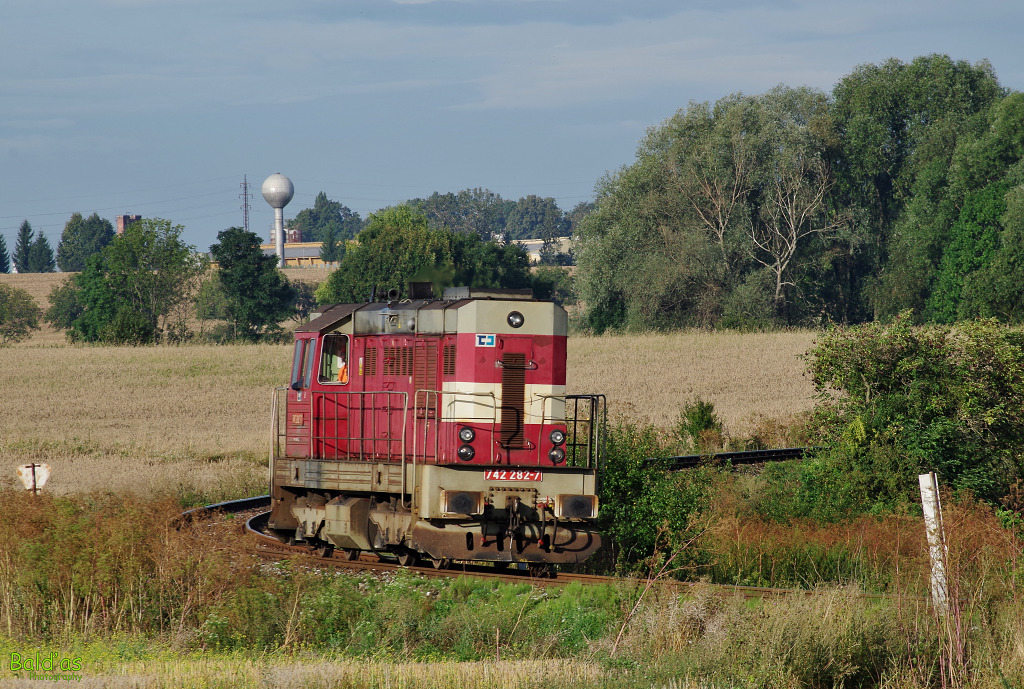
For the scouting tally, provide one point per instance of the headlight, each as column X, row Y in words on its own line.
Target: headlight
column 576, row 507
column 466, row 452
column 557, row 455
column 466, row 434
column 462, row 502
column 557, row 437
column 515, row 319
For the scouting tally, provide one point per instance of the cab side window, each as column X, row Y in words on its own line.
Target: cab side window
column 334, row 359
column 300, row 367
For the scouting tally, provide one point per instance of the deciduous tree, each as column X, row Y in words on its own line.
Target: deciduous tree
column 19, row 314
column 477, row 210
column 132, row 292
column 897, row 121
column 258, row 295
column 794, row 181
column 327, row 214
column 399, row 246
column 82, row 238
column 534, row 217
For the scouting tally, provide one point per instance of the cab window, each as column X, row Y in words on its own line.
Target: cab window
column 300, row 367
column 334, row 359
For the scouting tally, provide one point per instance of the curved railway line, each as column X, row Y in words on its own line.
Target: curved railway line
column 269, row 548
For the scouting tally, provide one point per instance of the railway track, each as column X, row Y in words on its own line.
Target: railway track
column 269, row 548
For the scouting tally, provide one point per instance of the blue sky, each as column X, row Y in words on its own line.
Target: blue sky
column 159, row 107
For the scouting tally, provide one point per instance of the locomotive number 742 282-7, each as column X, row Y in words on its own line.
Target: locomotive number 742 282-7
column 513, row 475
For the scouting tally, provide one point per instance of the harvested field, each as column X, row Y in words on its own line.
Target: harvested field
column 194, row 420
column 191, row 420
column 648, row 378
column 39, row 285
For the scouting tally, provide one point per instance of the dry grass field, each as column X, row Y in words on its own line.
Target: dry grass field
column 39, row 285
column 148, row 419
column 750, row 377
column 194, row 420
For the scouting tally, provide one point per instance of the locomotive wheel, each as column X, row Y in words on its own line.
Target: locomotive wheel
column 351, row 554
column 408, row 557
column 326, row 550
column 441, row 562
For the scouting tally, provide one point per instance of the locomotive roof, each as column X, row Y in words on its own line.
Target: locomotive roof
column 424, row 316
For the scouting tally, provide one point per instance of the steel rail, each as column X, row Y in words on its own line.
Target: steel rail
column 734, row 458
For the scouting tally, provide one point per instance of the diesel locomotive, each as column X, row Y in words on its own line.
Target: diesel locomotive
column 437, row 429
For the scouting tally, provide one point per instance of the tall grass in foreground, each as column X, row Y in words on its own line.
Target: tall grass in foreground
column 101, row 565
column 111, row 581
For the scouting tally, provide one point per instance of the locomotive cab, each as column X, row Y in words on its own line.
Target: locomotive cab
column 437, row 428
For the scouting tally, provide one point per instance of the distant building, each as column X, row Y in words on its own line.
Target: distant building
column 297, row 254
column 124, row 221
column 533, row 247
column 293, row 235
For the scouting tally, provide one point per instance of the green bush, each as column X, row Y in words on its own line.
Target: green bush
column 19, row 314
column 897, row 400
column 641, row 504
column 699, row 427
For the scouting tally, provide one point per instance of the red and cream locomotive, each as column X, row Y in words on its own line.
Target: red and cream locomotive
column 440, row 429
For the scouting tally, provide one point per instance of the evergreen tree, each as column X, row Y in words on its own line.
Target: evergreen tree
column 5, row 259
column 22, row 246
column 40, row 255
column 332, row 247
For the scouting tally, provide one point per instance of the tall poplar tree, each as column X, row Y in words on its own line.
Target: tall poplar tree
column 5, row 259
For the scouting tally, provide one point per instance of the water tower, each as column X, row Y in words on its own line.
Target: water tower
column 278, row 191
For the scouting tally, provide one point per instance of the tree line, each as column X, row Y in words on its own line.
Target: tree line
column 148, row 286
column 898, row 191
column 332, row 224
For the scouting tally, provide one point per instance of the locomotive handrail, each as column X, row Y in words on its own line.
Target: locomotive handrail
column 360, row 409
column 416, row 424
column 275, row 428
column 595, row 423
column 530, row 365
column 449, row 413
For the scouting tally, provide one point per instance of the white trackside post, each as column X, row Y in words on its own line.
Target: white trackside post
column 936, row 538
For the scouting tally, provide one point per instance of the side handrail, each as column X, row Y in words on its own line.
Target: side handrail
column 594, row 424
column 275, row 428
column 444, row 402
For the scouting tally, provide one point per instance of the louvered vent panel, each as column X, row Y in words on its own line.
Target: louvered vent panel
column 370, row 358
column 398, row 361
column 449, row 360
column 513, row 395
column 425, row 377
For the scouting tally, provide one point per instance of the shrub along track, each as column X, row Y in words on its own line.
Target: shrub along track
column 249, row 517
